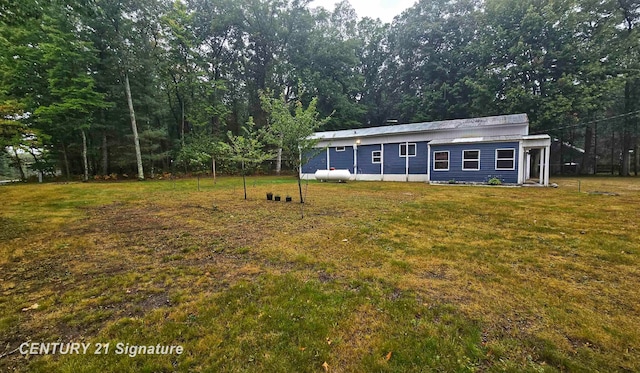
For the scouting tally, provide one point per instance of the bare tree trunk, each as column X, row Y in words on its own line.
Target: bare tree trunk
column 595, row 149
column 613, row 147
column 213, row 168
column 244, row 181
column 279, row 162
column 630, row 97
column 300, row 188
column 562, row 152
column 153, row 171
column 301, row 198
column 182, row 123
column 105, row 154
column 23, row 177
column 626, row 156
column 134, row 127
column 587, row 157
column 85, row 164
column 635, row 146
column 36, row 161
column 66, row 160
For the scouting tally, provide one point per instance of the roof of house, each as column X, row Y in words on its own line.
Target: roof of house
column 503, row 138
column 468, row 140
column 495, row 121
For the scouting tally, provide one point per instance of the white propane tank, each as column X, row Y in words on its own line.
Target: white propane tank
column 333, row 175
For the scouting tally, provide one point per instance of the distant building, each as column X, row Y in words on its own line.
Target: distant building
column 463, row 150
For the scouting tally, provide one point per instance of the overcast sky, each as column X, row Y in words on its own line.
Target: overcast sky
column 383, row 9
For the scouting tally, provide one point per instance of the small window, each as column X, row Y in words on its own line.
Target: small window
column 470, row 160
column 376, row 157
column 441, row 161
column 412, row 150
column 505, row 159
column 339, row 148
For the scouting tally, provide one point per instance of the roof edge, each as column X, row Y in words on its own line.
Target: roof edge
column 408, row 128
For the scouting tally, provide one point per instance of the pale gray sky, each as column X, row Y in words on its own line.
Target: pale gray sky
column 383, row 9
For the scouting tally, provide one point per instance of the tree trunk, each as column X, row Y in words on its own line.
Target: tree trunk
column 636, row 158
column 85, row 164
column 626, row 156
column 213, row 168
column 244, row 181
column 279, row 161
column 301, row 199
column 153, row 171
column 635, row 145
column 613, row 147
column 66, row 161
column 134, row 127
column 587, row 157
column 626, row 136
column 562, row 153
column 182, row 123
column 105, row 154
column 300, row 188
column 36, row 161
column 595, row 149
column 23, row 177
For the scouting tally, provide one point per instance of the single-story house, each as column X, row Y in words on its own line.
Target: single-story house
column 462, row 150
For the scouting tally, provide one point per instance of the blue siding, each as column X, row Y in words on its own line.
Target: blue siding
column 341, row 160
column 318, row 162
column 418, row 164
column 365, row 165
column 487, row 163
column 395, row 164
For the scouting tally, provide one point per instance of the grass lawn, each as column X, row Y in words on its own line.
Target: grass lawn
column 377, row 277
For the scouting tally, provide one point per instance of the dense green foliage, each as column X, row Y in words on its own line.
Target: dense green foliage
column 198, row 67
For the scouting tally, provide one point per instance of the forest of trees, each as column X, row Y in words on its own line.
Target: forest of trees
column 97, row 87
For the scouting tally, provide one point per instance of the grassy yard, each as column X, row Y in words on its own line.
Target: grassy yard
column 377, row 277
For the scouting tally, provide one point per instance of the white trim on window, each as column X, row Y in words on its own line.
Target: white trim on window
column 437, row 161
column 377, row 156
column 466, row 160
column 340, row 148
column 511, row 159
column 412, row 145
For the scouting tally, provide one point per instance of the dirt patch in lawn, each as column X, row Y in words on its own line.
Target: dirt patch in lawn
column 121, row 260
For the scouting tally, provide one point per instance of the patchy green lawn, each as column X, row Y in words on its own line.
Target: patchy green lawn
column 377, row 276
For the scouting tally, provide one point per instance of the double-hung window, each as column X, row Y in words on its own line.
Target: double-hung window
column 470, row 160
column 411, row 150
column 441, row 161
column 505, row 159
column 376, row 157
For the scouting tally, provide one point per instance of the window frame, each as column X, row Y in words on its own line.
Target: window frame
column 373, row 157
column 464, row 159
column 512, row 159
column 409, row 145
column 341, row 149
column 435, row 160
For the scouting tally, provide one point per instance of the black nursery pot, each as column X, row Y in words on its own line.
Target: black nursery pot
column 269, row 196
column 277, row 198
column 288, row 199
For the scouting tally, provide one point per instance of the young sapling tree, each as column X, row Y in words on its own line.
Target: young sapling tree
column 290, row 129
column 246, row 149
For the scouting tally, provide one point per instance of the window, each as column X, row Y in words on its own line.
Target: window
column 376, row 157
column 339, row 148
column 441, row 161
column 470, row 160
column 505, row 159
column 412, row 150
